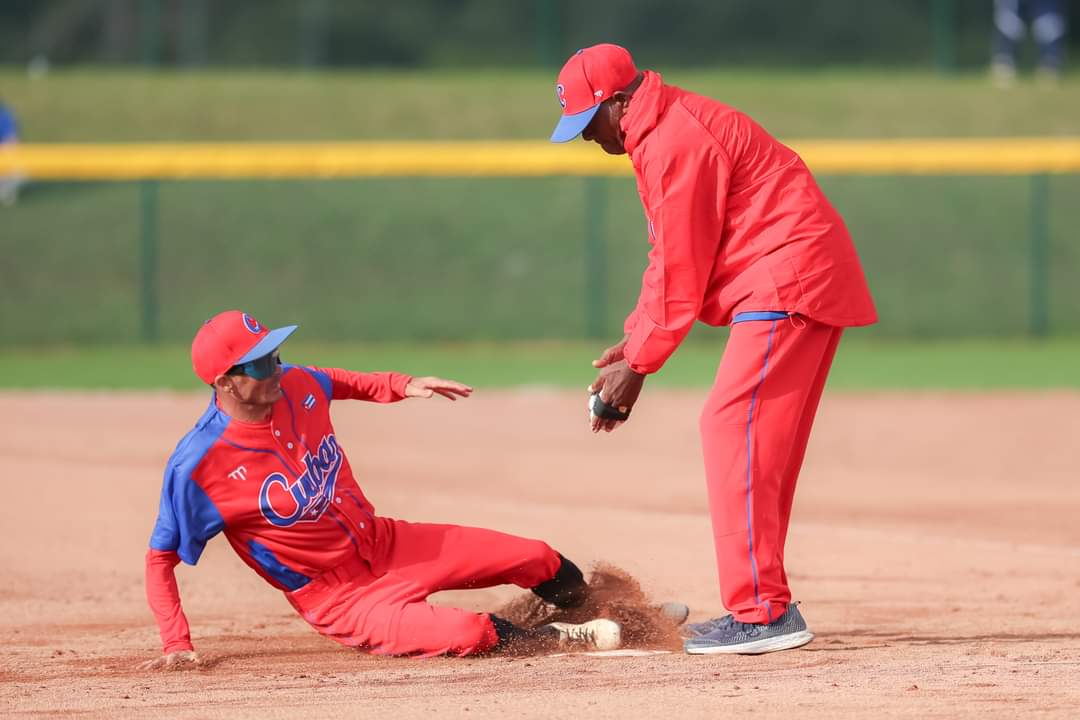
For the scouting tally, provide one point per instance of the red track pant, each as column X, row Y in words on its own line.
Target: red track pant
column 381, row 606
column 754, row 430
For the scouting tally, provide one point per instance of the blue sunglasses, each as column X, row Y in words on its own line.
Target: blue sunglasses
column 259, row 368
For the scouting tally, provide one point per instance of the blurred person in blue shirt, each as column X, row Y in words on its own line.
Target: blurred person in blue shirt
column 9, row 137
column 1047, row 20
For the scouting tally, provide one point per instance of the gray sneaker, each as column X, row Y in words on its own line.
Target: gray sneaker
column 692, row 630
column 786, row 632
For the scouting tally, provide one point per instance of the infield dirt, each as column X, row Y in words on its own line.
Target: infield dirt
column 935, row 545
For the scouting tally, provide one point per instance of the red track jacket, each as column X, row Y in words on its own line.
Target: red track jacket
column 736, row 223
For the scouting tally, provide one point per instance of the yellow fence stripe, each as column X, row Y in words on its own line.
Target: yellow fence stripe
column 1002, row 156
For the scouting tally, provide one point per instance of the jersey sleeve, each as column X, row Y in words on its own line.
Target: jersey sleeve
column 686, row 194
column 163, row 597
column 381, row 387
column 187, row 518
column 186, row 521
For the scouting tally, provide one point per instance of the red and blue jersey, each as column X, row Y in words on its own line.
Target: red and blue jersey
column 281, row 491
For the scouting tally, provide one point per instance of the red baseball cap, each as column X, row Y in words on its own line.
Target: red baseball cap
column 232, row 338
column 589, row 77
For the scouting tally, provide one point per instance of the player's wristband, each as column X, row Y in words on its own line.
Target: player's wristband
column 602, row 410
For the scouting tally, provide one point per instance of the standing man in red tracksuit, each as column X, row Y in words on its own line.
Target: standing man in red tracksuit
column 741, row 235
column 264, row 466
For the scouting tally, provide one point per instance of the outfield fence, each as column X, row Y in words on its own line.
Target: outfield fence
column 503, row 240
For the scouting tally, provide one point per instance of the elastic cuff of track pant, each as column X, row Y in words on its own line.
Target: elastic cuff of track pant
column 177, row 647
column 490, row 641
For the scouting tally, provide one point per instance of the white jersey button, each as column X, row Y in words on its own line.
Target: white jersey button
column 277, row 433
column 289, row 445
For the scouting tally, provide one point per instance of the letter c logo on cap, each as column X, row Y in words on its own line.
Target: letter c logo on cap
column 251, row 324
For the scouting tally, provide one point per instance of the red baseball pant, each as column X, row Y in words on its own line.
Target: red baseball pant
column 381, row 605
column 754, row 429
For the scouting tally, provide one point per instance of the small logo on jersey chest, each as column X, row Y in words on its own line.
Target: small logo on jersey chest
column 239, row 473
column 309, row 401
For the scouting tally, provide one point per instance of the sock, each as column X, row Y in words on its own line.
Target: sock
column 567, row 589
column 516, row 638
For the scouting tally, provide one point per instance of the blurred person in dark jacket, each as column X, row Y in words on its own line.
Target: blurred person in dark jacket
column 9, row 137
column 1047, row 22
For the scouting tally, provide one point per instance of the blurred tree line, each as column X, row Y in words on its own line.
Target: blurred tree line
column 428, row 33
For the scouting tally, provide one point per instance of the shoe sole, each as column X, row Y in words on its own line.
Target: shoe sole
column 757, row 647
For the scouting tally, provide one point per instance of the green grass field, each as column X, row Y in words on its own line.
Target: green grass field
column 95, row 105
column 495, row 259
column 861, row 365
column 433, row 261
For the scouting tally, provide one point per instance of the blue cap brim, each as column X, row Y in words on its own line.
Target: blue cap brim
column 570, row 126
column 268, row 344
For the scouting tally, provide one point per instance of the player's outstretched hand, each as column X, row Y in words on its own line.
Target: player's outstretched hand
column 425, row 387
column 178, row 660
column 619, row 387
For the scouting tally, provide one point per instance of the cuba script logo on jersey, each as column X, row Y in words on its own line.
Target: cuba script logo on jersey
column 306, row 498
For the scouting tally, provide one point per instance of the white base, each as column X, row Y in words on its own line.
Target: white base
column 624, row 652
